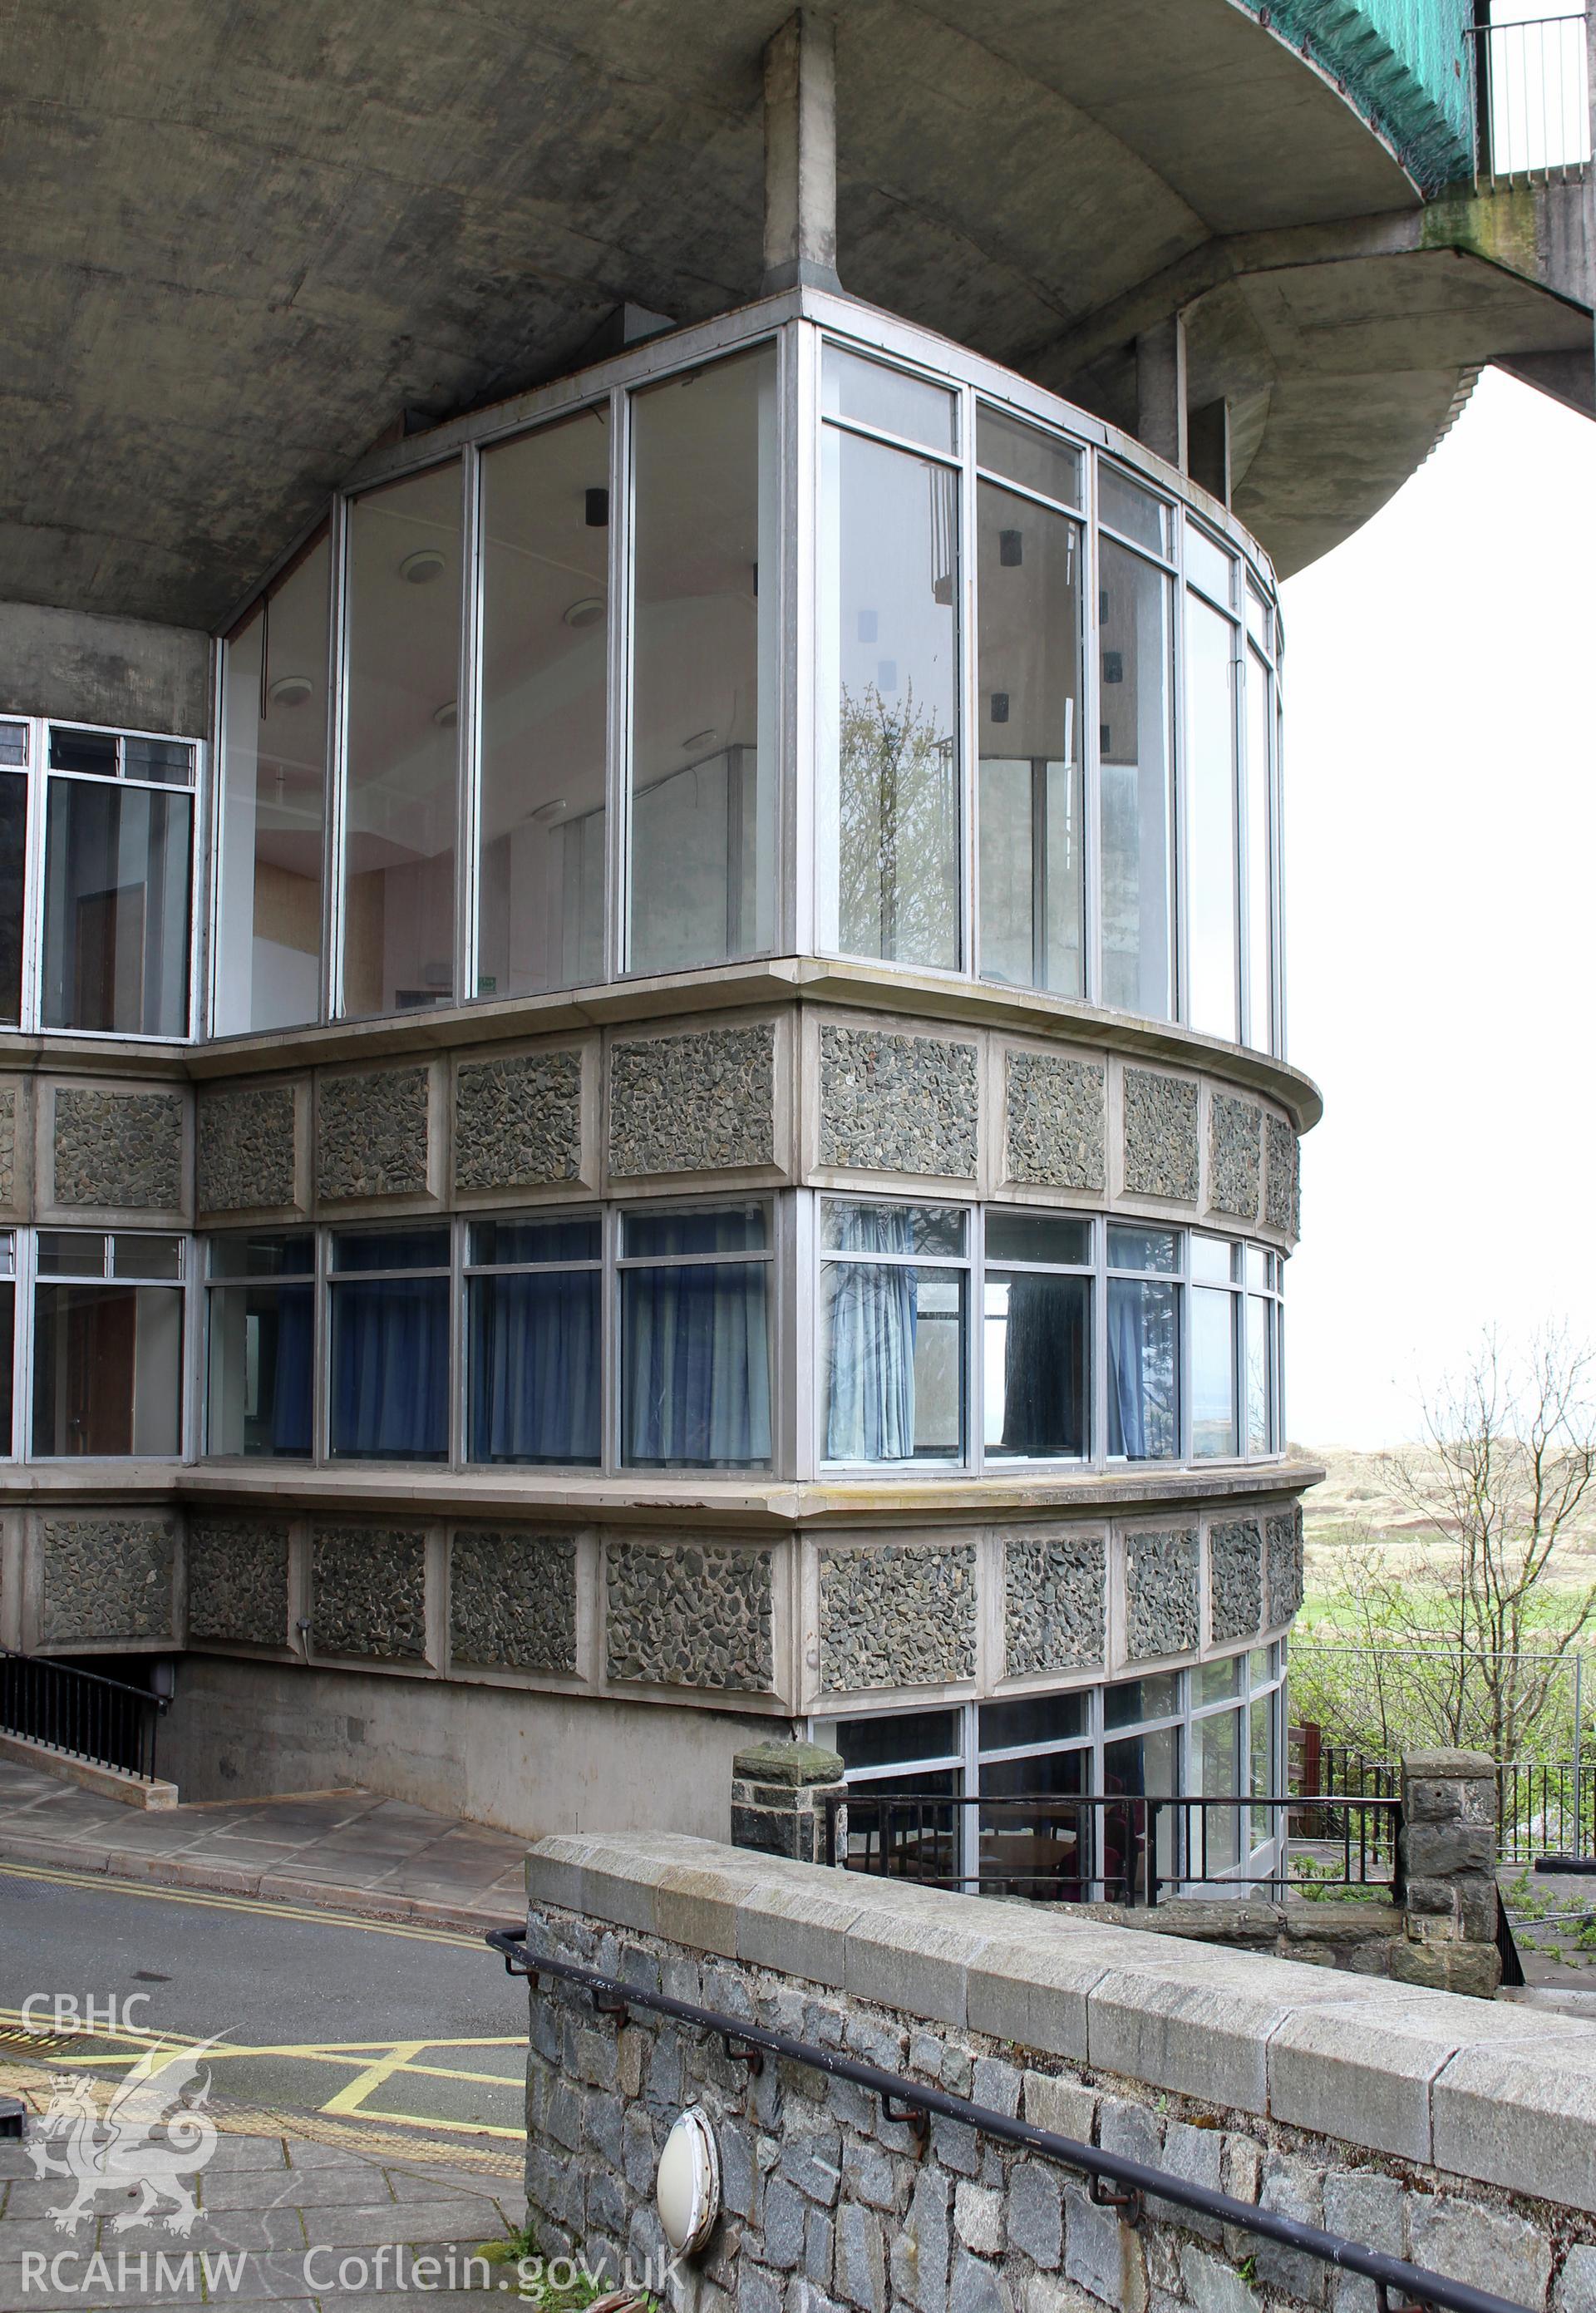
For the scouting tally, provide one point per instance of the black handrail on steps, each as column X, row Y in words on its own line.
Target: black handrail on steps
column 913, row 2100
column 80, row 1713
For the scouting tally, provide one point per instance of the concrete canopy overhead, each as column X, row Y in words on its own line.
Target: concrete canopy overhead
column 242, row 240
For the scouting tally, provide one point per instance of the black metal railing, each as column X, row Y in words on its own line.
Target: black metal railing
column 1116, row 2181
column 1531, row 98
column 1096, row 1847
column 80, row 1713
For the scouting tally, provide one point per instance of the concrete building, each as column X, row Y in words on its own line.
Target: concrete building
column 646, row 1092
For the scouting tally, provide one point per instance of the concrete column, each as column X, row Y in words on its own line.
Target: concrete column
column 779, row 1792
column 1446, row 1873
column 1208, row 449
column 1160, row 389
column 801, row 155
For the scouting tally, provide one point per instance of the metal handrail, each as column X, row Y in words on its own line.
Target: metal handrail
column 79, row 1714
column 1137, row 2181
column 1532, row 97
column 1138, row 1815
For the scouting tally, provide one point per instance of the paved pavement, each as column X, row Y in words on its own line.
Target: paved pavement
column 349, row 1849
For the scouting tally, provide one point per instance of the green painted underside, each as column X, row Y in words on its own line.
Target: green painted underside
column 1405, row 64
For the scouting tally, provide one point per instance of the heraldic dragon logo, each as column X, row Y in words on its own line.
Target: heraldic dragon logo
column 140, row 2143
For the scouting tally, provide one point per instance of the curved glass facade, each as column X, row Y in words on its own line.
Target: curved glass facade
column 759, row 641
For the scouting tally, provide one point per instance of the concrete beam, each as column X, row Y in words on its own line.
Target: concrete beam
column 801, row 155
column 1568, row 377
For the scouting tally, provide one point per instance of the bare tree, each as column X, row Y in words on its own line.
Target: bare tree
column 1506, row 1461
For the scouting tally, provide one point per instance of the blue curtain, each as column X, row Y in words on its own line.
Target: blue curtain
column 391, row 1367
column 535, row 1371
column 870, row 1381
column 293, row 1372
column 696, row 1360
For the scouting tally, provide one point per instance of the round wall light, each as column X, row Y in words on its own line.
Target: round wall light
column 291, row 690
column 586, row 611
column 447, row 716
column 688, row 2188
column 420, row 568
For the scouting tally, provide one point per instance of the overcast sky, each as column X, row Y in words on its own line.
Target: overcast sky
column 1441, row 911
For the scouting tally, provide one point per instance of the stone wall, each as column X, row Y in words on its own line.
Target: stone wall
column 1162, row 1157
column 1282, row 1192
column 513, row 1599
column 518, row 1121
column 695, row 1613
column 702, row 1103
column 368, row 1592
column 106, row 1577
column 1235, row 1156
column 372, row 1134
column 1054, row 1604
column 119, row 1149
column 896, row 1615
column 8, row 1145
column 1235, row 1580
column 244, row 1149
column 896, row 1103
column 1055, row 1134
column 1284, row 1531
column 238, row 1580
column 1408, row 2120
column 1161, row 1593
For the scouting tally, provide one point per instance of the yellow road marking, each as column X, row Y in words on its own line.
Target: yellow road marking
column 260, row 1908
column 354, row 2093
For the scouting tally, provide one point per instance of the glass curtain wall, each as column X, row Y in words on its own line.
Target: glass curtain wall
column 1031, row 845
column 270, row 832
column 1258, row 1028
column 704, row 694
column 1211, row 825
column 544, row 680
column 118, row 884
column 401, row 778
column 888, row 703
column 1135, row 695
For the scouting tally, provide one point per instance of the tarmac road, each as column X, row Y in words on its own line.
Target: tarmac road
column 312, row 2012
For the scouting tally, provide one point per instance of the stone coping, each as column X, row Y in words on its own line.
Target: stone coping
column 1503, row 2095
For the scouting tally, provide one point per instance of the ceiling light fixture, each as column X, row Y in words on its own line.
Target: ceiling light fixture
column 555, row 808
column 291, row 690
column 586, row 610
column 697, row 739
column 420, row 568
column 447, row 716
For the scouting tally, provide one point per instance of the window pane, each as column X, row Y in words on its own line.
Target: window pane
column 1038, row 1364
column 71, row 1253
column 705, row 700
column 108, row 1364
column 731, row 1228
column 403, row 681
column 1144, row 1331
column 907, row 1836
column 1213, row 1259
column 1211, row 810
column 1026, row 454
column 84, row 750
column 168, row 762
column 1258, row 1266
column 880, row 1741
column 1213, row 1371
column 1144, row 1767
column 695, row 1365
column 146, row 1256
column 262, row 1256
column 399, row 1248
column 7, row 1256
column 534, row 1373
column 274, row 780
column 1131, row 511
column 1217, row 1680
column 849, row 1228
column 1258, row 617
column 1030, row 1719
column 545, row 639
column 1133, row 1248
column 13, row 743
column 1259, row 1007
column 14, row 853
column 888, row 398
column 1035, row 1849
column 1262, row 1766
column 1134, row 724
column 117, row 908
column 8, row 1296
column 1133, row 1700
column 888, row 803
column 261, row 1361
column 1037, row 1236
column 389, row 1368
column 1259, row 1428
column 1032, row 846
column 531, row 1240
column 894, row 1362
column 1216, row 1774
column 1208, row 566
